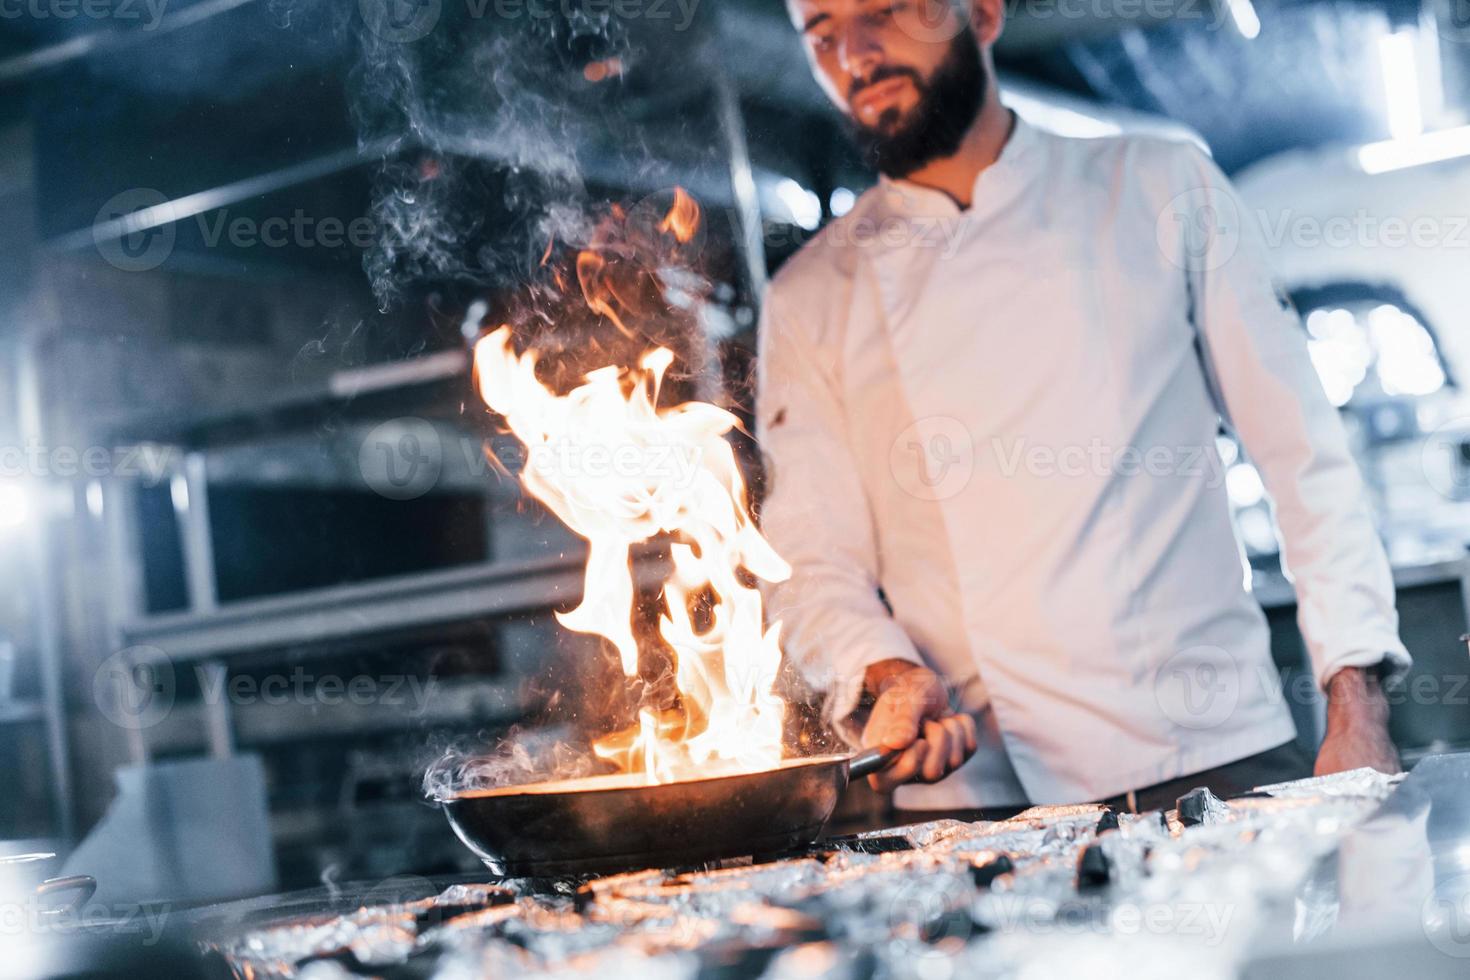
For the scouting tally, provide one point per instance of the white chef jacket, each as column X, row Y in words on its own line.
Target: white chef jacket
column 1004, row 418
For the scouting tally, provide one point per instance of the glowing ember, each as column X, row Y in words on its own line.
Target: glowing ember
column 618, row 470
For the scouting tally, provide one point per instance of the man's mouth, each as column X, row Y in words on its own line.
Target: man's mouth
column 877, row 97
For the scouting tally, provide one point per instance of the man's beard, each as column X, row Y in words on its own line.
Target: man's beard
column 933, row 129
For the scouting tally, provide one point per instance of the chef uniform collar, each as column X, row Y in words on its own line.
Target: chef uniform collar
column 993, row 185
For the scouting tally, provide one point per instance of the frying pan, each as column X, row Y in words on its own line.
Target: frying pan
column 605, row 824
column 13, row 878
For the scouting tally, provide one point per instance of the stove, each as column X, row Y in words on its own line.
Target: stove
column 1196, row 890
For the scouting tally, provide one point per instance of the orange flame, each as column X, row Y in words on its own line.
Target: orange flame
column 597, row 288
column 683, row 218
column 618, row 470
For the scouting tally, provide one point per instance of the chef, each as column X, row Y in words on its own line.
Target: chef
column 989, row 402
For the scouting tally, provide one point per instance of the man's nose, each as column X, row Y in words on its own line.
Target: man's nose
column 859, row 52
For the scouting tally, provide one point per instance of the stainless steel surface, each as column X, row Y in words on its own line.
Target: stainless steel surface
column 1394, row 896
column 1409, row 864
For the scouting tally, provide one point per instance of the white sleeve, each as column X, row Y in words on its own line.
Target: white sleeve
column 834, row 624
column 1254, row 347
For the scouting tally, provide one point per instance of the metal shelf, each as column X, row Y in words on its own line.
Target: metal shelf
column 445, row 705
column 325, row 616
column 392, row 388
column 19, row 712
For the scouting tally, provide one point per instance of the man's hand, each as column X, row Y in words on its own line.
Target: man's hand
column 1357, row 725
column 912, row 713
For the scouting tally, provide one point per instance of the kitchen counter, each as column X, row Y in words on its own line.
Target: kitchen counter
column 1285, row 878
column 1272, row 589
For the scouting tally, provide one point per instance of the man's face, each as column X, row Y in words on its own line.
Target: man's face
column 906, row 72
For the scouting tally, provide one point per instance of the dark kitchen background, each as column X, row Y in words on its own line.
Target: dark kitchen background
column 257, row 570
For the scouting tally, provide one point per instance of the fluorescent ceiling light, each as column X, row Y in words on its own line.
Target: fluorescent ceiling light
column 1447, row 144
column 804, row 207
column 1400, row 68
column 1243, row 12
column 841, row 201
column 14, row 505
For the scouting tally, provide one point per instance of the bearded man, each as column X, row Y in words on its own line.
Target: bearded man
column 989, row 400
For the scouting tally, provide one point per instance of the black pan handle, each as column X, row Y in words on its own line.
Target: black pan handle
column 81, row 887
column 869, row 761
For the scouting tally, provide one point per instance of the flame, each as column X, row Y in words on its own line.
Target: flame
column 682, row 221
column 618, row 470
column 598, row 290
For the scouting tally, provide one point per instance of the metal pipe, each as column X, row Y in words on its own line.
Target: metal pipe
column 218, row 720
column 191, row 507
column 123, row 692
column 46, row 590
column 218, row 197
column 742, row 177
column 21, row 65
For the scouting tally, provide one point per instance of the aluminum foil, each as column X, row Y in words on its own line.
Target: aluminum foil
column 1052, row 891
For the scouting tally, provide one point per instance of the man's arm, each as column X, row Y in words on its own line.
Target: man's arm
column 1255, row 349
column 1357, row 724
column 834, row 626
